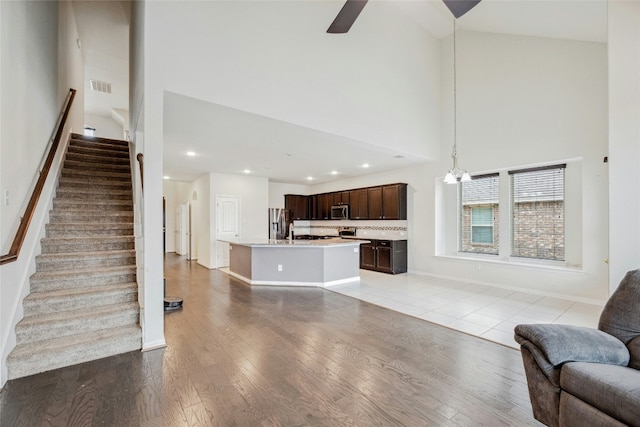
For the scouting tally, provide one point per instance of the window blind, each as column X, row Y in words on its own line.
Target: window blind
column 537, row 207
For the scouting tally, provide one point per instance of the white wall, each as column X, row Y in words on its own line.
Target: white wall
column 624, row 138
column 521, row 101
column 242, row 55
column 254, row 203
column 170, row 194
column 71, row 63
column 277, row 190
column 105, row 126
column 37, row 67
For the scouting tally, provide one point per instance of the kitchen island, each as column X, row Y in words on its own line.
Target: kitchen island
column 319, row 263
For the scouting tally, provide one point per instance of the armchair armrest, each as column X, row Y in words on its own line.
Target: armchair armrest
column 567, row 343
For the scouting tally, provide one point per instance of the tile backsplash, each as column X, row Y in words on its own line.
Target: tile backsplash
column 391, row 230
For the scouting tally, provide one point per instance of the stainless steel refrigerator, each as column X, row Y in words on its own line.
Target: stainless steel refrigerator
column 280, row 222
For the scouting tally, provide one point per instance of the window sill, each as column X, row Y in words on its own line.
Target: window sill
column 515, row 262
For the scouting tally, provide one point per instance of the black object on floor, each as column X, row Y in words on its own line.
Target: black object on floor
column 172, row 303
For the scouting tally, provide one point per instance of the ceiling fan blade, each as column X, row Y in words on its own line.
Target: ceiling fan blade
column 347, row 16
column 460, row 7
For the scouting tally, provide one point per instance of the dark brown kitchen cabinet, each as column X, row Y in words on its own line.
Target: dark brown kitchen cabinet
column 374, row 198
column 373, row 203
column 298, row 205
column 394, row 201
column 325, row 201
column 341, row 198
column 368, row 256
column 358, row 204
column 314, row 207
column 385, row 256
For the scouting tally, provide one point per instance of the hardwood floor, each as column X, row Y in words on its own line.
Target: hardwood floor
column 241, row 356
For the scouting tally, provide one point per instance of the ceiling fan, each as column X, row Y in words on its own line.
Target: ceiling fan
column 352, row 8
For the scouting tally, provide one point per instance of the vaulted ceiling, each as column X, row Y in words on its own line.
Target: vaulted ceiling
column 283, row 151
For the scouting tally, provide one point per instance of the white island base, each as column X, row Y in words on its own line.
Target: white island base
column 319, row 263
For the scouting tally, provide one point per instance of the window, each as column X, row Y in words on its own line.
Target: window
column 479, row 218
column 482, row 224
column 537, row 208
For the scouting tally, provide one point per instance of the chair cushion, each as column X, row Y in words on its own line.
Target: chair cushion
column 567, row 343
column 621, row 314
column 615, row 390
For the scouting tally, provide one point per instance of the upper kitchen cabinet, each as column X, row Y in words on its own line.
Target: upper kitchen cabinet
column 373, row 203
column 325, row 201
column 341, row 198
column 374, row 198
column 387, row 201
column 394, row 201
column 358, row 204
column 298, row 205
column 314, row 207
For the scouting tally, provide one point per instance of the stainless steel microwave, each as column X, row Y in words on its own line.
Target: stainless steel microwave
column 340, row 212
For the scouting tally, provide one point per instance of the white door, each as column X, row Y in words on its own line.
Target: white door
column 184, row 229
column 227, row 226
column 178, row 231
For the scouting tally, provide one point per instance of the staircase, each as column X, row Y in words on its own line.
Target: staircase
column 83, row 303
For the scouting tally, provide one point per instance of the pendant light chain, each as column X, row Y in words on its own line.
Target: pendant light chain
column 455, row 174
column 455, row 99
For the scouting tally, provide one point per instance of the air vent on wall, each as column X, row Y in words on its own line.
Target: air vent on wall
column 98, row 86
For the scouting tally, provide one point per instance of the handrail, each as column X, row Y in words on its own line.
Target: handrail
column 140, row 158
column 21, row 233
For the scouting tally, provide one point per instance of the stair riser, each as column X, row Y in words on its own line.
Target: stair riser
column 71, row 264
column 56, row 285
column 72, row 184
column 96, row 166
column 54, row 305
column 106, row 158
column 98, row 146
column 55, row 248
column 64, row 329
column 96, row 176
column 108, row 217
column 71, row 356
column 99, row 195
column 95, row 205
column 77, row 149
column 56, row 230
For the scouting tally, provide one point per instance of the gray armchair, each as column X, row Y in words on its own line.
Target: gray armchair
column 587, row 377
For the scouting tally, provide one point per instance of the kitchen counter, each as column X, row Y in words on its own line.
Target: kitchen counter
column 333, row 241
column 319, row 263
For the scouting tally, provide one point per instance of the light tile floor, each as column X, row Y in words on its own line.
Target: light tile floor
column 483, row 311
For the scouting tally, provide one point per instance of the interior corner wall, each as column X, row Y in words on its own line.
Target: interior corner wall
column 624, row 139
column 105, row 126
column 136, row 65
column 277, row 190
column 71, row 64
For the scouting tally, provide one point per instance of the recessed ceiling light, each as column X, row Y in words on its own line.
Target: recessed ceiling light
column 309, row 178
column 191, row 153
column 365, row 165
column 399, row 156
column 166, row 177
column 247, row 171
column 334, row 172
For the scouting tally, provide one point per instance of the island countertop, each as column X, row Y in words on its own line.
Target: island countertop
column 332, row 242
